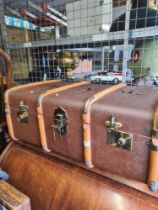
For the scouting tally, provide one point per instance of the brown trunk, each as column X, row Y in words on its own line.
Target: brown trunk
column 106, row 128
column 53, row 184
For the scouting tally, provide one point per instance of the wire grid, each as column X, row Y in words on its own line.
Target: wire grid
column 83, row 40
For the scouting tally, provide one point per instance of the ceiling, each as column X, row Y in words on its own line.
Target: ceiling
column 56, row 10
column 58, row 4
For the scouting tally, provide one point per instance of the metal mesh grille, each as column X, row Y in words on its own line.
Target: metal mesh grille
column 100, row 40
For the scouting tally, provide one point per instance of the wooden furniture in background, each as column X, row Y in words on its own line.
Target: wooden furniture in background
column 12, row 199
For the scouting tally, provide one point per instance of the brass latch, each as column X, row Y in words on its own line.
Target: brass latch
column 60, row 122
column 22, row 113
column 117, row 138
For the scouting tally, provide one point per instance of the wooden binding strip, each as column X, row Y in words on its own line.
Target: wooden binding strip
column 41, row 114
column 153, row 163
column 7, row 104
column 87, row 122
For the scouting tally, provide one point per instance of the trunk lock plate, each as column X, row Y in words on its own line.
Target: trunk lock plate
column 117, row 138
column 60, row 121
column 22, row 113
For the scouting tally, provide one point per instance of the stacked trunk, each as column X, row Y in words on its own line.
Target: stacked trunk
column 109, row 130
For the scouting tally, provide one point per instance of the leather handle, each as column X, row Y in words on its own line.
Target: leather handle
column 8, row 68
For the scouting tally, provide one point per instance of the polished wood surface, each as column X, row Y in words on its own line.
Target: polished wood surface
column 53, row 184
column 143, row 187
column 13, row 199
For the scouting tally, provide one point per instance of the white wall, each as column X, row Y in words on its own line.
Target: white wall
column 87, row 17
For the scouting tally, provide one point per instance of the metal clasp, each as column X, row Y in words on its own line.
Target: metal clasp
column 112, row 124
column 60, row 122
column 22, row 113
column 117, row 138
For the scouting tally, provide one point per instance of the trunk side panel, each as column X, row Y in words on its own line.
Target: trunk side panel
column 28, row 132
column 133, row 107
column 73, row 100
